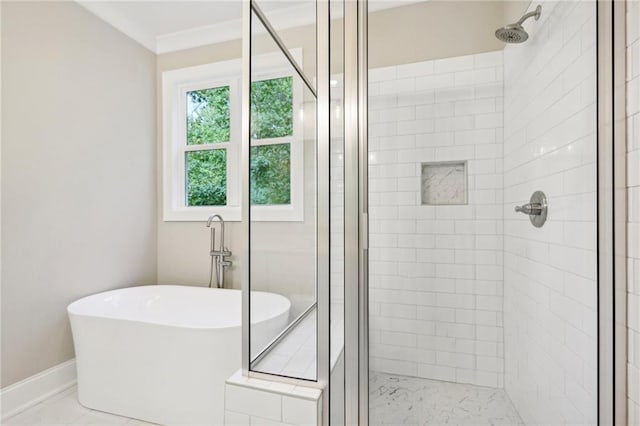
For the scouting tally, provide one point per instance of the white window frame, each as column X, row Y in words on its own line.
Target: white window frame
column 175, row 85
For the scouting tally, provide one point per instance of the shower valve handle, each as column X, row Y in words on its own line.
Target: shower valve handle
column 536, row 208
column 530, row 209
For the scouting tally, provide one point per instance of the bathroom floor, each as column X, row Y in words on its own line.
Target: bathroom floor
column 64, row 409
column 400, row 400
column 394, row 400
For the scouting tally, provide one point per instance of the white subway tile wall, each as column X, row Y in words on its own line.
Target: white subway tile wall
column 550, row 317
column 633, row 199
column 436, row 271
column 255, row 402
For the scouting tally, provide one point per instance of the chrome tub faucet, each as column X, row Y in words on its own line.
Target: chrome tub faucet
column 218, row 257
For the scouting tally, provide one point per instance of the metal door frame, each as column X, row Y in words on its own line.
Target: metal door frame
column 611, row 218
column 321, row 92
column 356, row 336
column 612, row 208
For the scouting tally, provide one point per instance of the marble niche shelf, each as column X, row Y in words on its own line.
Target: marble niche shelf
column 444, row 183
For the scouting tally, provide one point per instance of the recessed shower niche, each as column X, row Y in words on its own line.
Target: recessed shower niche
column 444, row 183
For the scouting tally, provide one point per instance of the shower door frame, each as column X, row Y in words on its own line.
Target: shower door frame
column 322, row 96
column 611, row 213
column 356, row 221
column 612, row 208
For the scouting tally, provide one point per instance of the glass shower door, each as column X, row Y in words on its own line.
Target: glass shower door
column 282, row 187
column 482, row 185
column 289, row 176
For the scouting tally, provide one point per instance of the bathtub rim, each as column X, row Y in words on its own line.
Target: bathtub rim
column 71, row 312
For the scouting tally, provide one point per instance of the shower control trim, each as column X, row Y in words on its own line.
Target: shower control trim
column 536, row 209
column 530, row 209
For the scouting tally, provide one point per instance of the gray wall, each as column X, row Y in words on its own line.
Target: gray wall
column 78, row 174
column 435, row 29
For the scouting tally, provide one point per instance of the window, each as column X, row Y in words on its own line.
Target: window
column 201, row 144
column 208, row 134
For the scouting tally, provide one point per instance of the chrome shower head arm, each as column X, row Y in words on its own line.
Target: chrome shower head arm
column 535, row 13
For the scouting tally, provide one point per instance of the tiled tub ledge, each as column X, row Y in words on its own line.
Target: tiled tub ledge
column 250, row 401
column 295, row 354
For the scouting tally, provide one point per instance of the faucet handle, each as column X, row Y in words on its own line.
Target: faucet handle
column 536, row 209
column 530, row 209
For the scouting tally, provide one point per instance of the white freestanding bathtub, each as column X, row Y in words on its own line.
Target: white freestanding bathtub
column 162, row 353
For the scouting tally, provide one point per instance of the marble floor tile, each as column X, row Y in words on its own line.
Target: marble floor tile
column 401, row 400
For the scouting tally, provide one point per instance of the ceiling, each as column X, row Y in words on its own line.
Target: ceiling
column 166, row 26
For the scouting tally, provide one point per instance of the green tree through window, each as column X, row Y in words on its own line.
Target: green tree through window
column 272, row 108
column 207, row 177
column 208, row 116
column 208, row 122
column 271, row 117
column 271, row 174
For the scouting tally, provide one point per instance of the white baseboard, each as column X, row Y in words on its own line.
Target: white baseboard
column 32, row 390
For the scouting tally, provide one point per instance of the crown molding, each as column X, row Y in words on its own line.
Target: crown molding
column 113, row 17
column 281, row 19
column 201, row 36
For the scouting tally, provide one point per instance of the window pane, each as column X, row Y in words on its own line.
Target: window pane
column 208, row 116
column 271, row 174
column 272, row 108
column 206, row 177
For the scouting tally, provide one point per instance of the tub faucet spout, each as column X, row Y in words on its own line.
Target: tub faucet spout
column 218, row 261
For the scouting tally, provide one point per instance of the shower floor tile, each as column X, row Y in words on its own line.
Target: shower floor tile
column 401, row 400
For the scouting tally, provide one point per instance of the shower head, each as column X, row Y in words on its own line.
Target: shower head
column 515, row 33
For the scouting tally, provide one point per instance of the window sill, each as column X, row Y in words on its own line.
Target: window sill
column 233, row 214
column 201, row 214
